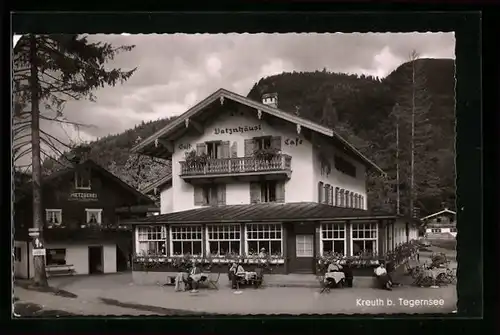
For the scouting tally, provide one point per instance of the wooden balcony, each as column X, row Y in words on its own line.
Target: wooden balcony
column 278, row 167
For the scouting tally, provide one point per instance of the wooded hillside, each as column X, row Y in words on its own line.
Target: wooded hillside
column 360, row 108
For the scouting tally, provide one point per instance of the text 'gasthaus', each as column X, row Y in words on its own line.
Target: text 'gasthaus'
column 240, row 129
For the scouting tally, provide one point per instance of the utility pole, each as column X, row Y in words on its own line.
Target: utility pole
column 397, row 161
column 38, row 260
column 412, row 162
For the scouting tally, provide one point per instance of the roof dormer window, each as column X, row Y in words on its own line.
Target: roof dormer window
column 82, row 179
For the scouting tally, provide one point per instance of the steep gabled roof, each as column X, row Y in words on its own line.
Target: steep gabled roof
column 446, row 210
column 158, row 183
column 26, row 190
column 225, row 94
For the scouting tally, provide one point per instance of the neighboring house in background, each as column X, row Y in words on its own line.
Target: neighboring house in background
column 83, row 209
column 162, row 187
column 441, row 224
column 246, row 175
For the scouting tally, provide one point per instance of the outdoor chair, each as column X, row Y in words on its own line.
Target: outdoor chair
column 213, row 280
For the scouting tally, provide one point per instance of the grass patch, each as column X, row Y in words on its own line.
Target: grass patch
column 56, row 291
column 152, row 309
column 33, row 310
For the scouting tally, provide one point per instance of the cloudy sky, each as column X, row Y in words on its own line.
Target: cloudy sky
column 176, row 71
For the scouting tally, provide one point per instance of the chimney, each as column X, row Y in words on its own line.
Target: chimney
column 270, row 99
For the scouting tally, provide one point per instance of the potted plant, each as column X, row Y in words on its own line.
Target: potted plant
column 193, row 159
column 266, row 154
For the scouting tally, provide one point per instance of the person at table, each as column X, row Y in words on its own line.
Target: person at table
column 349, row 277
column 194, row 276
column 334, row 274
column 235, row 272
column 382, row 277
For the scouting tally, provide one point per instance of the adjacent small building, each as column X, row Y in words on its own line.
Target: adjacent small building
column 246, row 176
column 441, row 224
column 84, row 207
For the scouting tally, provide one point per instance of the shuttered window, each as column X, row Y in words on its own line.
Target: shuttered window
column 269, row 191
column 210, row 195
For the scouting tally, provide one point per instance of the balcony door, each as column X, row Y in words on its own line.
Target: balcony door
column 214, row 149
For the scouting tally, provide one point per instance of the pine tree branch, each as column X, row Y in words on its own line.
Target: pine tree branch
column 56, row 139
column 64, row 121
column 22, row 154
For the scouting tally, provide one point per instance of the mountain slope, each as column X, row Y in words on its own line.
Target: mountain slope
column 361, row 104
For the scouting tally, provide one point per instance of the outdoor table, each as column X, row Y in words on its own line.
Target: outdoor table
column 199, row 277
column 247, row 275
column 337, row 276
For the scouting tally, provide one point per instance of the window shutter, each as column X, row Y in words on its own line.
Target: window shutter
column 276, row 142
column 225, row 149
column 234, row 150
column 254, row 193
column 221, row 194
column 198, row 196
column 249, row 147
column 280, row 192
column 326, row 200
column 201, row 148
column 320, row 192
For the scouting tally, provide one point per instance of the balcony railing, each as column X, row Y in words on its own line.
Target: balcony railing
column 240, row 165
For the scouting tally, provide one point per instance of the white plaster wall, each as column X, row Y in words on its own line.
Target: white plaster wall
column 78, row 256
column 109, row 256
column 296, row 189
column 339, row 179
column 443, row 230
column 166, row 200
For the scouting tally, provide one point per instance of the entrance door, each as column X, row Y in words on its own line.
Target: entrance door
column 96, row 264
column 304, row 253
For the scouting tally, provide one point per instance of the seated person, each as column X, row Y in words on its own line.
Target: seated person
column 349, row 277
column 235, row 272
column 382, row 277
column 334, row 267
column 334, row 274
column 262, row 253
column 194, row 276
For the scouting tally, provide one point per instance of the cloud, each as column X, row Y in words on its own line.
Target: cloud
column 175, row 71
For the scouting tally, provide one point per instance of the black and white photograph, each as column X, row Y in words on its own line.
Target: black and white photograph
column 216, row 174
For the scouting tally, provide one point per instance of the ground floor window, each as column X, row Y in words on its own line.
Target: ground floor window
column 152, row 240
column 55, row 257
column 267, row 236
column 223, row 239
column 364, row 238
column 435, row 230
column 332, row 238
column 186, row 240
column 453, row 230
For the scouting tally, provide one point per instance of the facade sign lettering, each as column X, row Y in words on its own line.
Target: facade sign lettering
column 83, row 196
column 240, row 129
column 293, row 141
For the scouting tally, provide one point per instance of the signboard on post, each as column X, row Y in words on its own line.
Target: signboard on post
column 38, row 248
column 38, row 252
